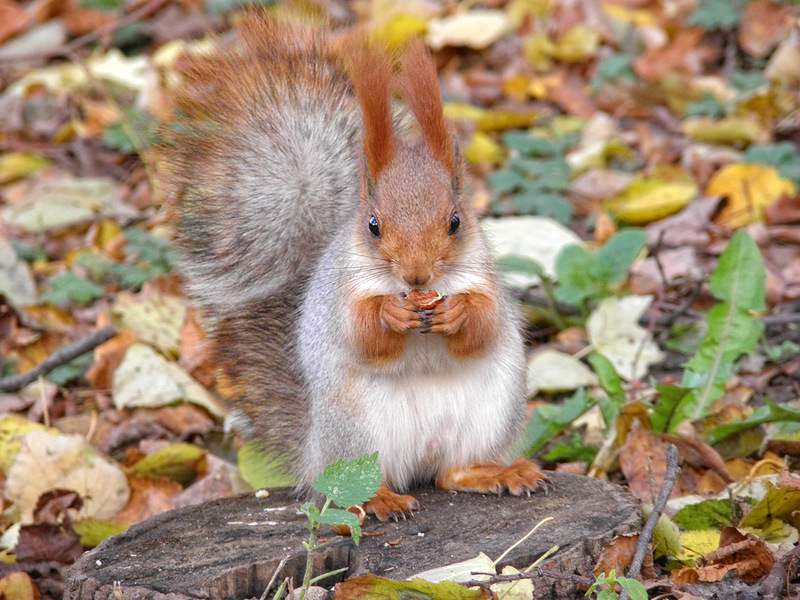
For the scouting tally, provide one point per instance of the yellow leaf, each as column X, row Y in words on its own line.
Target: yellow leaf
column 696, row 544
column 17, row 165
column 731, row 130
column 577, row 44
column 484, row 150
column 637, row 17
column 649, row 199
column 519, row 10
column 539, row 49
column 396, row 32
column 748, row 189
column 490, row 120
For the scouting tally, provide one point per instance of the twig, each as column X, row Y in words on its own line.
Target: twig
column 132, row 17
column 670, row 478
column 536, row 572
column 58, row 358
column 274, row 576
column 775, row 585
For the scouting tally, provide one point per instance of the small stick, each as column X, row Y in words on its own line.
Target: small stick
column 670, row 478
column 274, row 577
column 536, row 572
column 60, row 357
column 139, row 13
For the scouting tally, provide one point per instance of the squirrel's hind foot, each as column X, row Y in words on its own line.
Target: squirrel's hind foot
column 521, row 477
column 388, row 505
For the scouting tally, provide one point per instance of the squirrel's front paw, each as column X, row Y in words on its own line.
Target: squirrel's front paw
column 449, row 315
column 388, row 505
column 521, row 477
column 399, row 314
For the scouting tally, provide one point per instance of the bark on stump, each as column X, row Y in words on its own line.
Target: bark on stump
column 230, row 548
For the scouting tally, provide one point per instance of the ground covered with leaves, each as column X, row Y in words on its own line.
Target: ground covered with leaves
column 638, row 163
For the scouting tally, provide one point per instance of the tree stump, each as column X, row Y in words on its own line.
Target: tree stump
column 230, row 548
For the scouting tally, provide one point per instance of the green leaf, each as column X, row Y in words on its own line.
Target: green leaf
column 718, row 14
column 769, row 413
column 94, row 531
column 740, row 276
column 617, row 255
column 64, row 374
column 348, row 483
column 732, row 329
column 549, row 420
column 783, row 156
column 68, row 287
column 613, row 66
column 338, row 517
column 707, row 106
column 670, row 398
column 528, row 144
column 520, row 264
column 505, row 181
column 612, row 385
column 572, row 266
column 634, row 588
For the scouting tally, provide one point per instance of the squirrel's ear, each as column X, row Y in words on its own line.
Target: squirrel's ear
column 420, row 85
column 458, row 168
column 371, row 74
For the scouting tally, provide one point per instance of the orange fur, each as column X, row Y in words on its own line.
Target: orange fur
column 388, row 505
column 468, row 322
column 379, row 343
column 371, row 74
column 421, row 93
column 520, row 477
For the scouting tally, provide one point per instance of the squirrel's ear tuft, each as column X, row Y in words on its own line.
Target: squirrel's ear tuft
column 371, row 74
column 420, row 85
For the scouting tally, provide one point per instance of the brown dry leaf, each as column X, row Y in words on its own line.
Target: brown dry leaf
column 642, row 460
column 195, row 351
column 80, row 21
column 43, row 542
column 764, row 25
column 616, row 555
column 747, row 552
column 35, row 352
column 13, row 19
column 698, row 454
column 149, row 497
column 107, row 357
column 682, row 54
column 784, row 211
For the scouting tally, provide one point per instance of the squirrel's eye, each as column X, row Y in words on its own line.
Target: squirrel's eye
column 454, row 223
column 373, row 227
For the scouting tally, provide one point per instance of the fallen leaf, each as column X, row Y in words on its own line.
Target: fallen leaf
column 554, row 371
column 149, row 497
column 539, row 239
column 649, row 199
column 476, row 29
column 145, row 378
column 155, row 318
column 18, row 586
column 764, row 25
column 747, row 189
column 615, row 333
column 458, row 572
column 47, row 462
column 617, row 554
column 16, row 280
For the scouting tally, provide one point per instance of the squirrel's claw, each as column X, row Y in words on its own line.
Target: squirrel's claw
column 521, row 477
column 386, row 505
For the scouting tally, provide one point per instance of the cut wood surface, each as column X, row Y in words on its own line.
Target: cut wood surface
column 230, row 548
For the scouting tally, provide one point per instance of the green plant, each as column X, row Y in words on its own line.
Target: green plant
column 147, row 257
column 345, row 484
column 69, row 288
column 733, row 330
column 584, row 275
column 608, row 583
column 718, row 14
column 782, row 156
column 534, row 180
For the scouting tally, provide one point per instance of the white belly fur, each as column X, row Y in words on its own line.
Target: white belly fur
column 431, row 412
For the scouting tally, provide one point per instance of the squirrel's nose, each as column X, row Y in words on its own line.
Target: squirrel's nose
column 417, row 277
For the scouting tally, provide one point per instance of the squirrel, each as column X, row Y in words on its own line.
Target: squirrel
column 312, row 218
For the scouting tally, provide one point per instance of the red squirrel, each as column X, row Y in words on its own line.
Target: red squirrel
column 351, row 299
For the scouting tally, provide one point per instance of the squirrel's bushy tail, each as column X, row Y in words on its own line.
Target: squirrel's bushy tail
column 262, row 159
column 264, row 163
